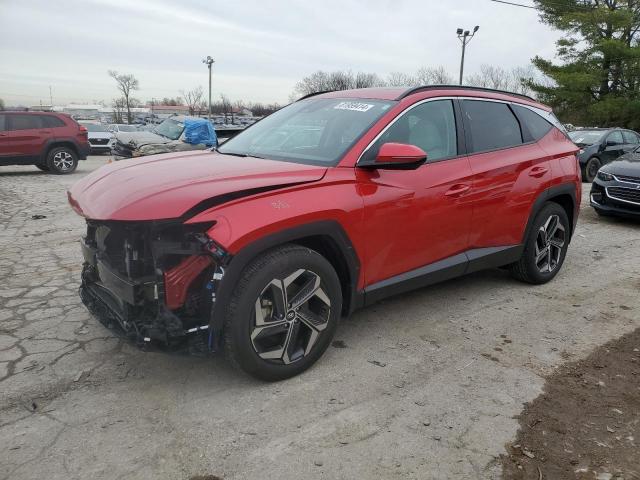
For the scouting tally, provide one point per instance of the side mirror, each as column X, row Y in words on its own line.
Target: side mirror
column 398, row 156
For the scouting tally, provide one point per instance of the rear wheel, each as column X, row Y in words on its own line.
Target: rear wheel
column 545, row 247
column 283, row 313
column 62, row 160
column 590, row 169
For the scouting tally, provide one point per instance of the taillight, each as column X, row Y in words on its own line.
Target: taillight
column 83, row 128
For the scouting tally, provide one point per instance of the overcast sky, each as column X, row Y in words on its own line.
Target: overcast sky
column 261, row 48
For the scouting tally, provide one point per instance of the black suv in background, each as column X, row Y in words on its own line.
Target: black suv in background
column 599, row 146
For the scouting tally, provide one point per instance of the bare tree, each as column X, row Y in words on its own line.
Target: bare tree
column 367, row 80
column 434, row 76
column 119, row 107
column 226, row 107
column 401, row 79
column 126, row 84
column 2, row 107
column 339, row 80
column 194, row 99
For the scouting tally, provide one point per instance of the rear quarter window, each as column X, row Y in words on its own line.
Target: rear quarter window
column 630, row 137
column 51, row 122
column 537, row 126
column 492, row 125
column 2, row 123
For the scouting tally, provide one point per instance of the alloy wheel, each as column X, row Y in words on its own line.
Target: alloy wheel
column 290, row 315
column 549, row 243
column 63, row 161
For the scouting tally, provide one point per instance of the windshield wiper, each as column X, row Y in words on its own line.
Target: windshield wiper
column 233, row 154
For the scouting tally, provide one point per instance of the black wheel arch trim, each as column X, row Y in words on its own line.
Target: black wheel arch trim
column 325, row 228
column 56, row 142
column 548, row 195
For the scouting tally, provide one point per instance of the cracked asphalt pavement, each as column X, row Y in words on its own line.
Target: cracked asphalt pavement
column 425, row 385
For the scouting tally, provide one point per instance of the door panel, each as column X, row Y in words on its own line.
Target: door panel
column 611, row 152
column 26, row 136
column 5, row 145
column 507, row 179
column 414, row 218
column 505, row 184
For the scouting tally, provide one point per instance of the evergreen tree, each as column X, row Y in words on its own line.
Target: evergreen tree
column 597, row 82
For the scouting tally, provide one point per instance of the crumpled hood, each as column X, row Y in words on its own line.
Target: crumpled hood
column 137, row 139
column 167, row 186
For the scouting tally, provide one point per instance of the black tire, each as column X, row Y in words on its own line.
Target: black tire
column 62, row 160
column 44, row 168
column 590, row 169
column 241, row 317
column 528, row 269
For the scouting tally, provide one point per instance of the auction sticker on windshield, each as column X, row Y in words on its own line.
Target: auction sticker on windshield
column 355, row 106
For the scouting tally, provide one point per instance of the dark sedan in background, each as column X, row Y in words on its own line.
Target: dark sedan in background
column 616, row 188
column 599, row 146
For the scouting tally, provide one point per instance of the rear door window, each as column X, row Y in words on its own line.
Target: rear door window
column 24, row 122
column 51, row 122
column 630, row 137
column 615, row 138
column 537, row 126
column 491, row 125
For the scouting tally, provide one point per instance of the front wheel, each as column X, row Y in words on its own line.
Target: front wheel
column 62, row 160
column 283, row 313
column 590, row 169
column 545, row 247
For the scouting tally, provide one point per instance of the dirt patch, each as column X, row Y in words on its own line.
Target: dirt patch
column 586, row 425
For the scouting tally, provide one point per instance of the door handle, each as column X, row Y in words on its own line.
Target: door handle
column 457, row 190
column 538, row 171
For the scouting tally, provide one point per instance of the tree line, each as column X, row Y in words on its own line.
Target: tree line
column 194, row 99
column 516, row 80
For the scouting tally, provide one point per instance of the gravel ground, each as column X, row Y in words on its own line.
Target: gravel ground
column 426, row 385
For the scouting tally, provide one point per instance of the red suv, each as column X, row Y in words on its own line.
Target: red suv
column 326, row 206
column 53, row 142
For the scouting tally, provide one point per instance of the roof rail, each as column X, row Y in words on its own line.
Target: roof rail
column 314, row 94
column 413, row 90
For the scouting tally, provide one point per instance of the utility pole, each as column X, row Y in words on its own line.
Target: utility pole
column 465, row 37
column 50, row 98
column 209, row 61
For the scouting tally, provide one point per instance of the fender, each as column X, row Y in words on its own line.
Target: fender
column 52, row 142
column 545, row 195
column 327, row 228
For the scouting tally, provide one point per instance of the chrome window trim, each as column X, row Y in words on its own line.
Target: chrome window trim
column 453, row 98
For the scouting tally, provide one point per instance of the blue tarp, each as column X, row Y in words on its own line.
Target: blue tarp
column 199, row 131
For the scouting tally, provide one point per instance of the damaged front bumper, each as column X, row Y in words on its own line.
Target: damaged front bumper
column 154, row 284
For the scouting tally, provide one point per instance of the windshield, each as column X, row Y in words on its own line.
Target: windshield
column 170, row 128
column 127, row 128
column 316, row 131
column 92, row 127
column 587, row 137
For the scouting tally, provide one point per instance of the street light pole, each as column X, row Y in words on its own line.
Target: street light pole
column 209, row 61
column 465, row 37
